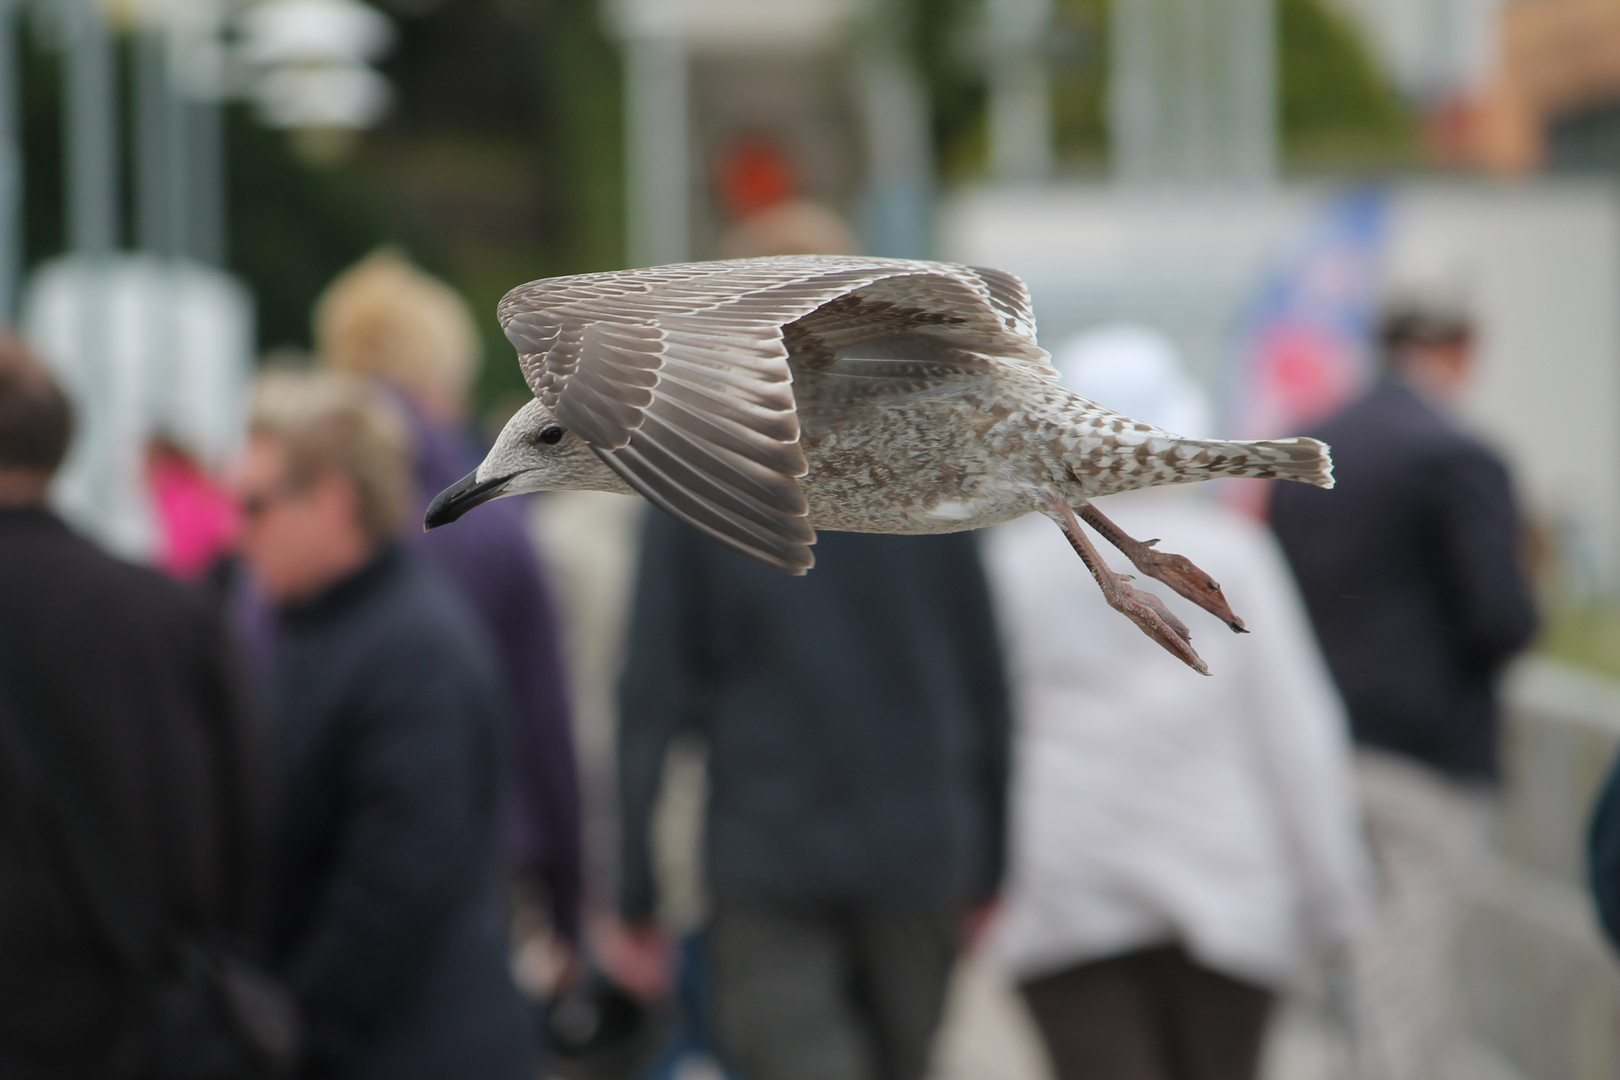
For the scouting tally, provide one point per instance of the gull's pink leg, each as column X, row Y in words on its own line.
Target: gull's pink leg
column 1176, row 571
column 1144, row 609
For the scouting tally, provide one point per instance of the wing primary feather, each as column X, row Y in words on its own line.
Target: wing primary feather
column 744, row 397
column 700, row 395
column 580, row 415
column 733, row 477
column 791, row 555
column 785, row 457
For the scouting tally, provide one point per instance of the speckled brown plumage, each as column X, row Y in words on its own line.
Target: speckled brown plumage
column 761, row 399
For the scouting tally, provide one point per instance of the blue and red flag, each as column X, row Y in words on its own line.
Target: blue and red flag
column 1304, row 346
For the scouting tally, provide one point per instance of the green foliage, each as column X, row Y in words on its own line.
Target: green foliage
column 580, row 176
column 44, row 202
column 1336, row 107
column 504, row 163
column 1080, row 82
column 937, row 35
column 584, row 134
column 1587, row 635
column 293, row 227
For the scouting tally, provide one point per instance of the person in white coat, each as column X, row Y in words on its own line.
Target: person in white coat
column 1182, row 847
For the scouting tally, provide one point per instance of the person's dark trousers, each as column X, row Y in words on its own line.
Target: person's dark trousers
column 1149, row 1015
column 808, row 990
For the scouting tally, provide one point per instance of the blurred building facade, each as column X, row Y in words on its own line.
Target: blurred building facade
column 827, row 81
column 1192, row 91
column 1508, row 86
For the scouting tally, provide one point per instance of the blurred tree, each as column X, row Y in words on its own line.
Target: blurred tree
column 292, row 227
column 1080, row 83
column 939, row 36
column 1336, row 108
column 501, row 161
column 584, row 133
column 44, row 203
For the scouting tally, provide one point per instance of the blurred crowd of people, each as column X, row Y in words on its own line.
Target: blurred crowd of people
column 306, row 802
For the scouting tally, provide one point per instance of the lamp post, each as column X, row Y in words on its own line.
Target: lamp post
column 147, row 343
column 657, row 130
column 92, row 181
column 309, row 67
column 92, row 130
column 897, row 215
column 1193, row 91
column 159, row 128
column 178, row 54
column 11, row 164
column 1020, row 90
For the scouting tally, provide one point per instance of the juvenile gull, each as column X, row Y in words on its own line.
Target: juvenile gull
column 758, row 400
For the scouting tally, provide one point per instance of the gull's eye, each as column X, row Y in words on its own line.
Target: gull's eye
column 552, row 435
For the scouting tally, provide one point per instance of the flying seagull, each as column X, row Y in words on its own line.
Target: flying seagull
column 758, row 400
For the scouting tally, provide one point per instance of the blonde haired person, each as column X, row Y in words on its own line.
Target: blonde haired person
column 385, row 317
column 386, row 320
column 335, row 445
column 387, row 922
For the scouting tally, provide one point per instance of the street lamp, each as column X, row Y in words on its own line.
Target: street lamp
column 308, row 67
column 657, row 127
column 1020, row 90
column 1192, row 92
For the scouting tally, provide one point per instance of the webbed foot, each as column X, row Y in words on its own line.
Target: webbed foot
column 1176, row 571
column 1147, row 611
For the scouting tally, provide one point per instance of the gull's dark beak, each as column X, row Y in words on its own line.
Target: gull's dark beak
column 461, row 497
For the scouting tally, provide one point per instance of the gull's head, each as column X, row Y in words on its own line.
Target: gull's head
column 533, row 453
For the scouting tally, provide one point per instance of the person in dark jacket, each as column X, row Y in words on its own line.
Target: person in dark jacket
column 388, row 922
column 857, row 732
column 1603, row 857
column 1412, row 574
column 118, row 698
column 386, row 319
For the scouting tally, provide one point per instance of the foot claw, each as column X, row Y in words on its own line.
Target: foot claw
column 1178, row 572
column 1161, row 611
column 1143, row 608
column 1160, row 623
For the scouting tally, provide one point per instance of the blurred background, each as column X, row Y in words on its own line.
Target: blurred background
column 180, row 179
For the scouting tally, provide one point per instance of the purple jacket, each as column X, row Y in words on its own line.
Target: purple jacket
column 488, row 556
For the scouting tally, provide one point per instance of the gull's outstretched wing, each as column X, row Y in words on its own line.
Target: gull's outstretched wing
column 678, row 376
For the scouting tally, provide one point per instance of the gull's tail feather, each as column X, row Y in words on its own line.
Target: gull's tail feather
column 1305, row 460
